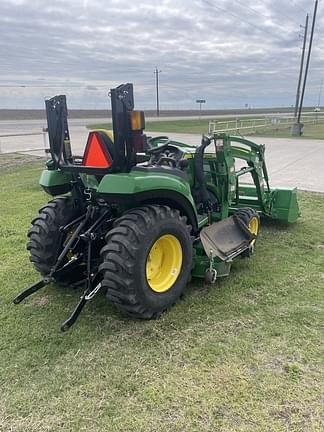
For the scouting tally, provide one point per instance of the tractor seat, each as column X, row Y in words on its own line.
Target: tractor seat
column 99, row 151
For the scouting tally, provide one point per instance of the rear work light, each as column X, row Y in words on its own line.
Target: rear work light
column 96, row 153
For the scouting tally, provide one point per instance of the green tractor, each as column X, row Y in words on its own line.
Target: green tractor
column 139, row 216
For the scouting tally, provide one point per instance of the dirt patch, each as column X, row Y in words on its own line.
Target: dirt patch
column 42, row 301
column 15, row 160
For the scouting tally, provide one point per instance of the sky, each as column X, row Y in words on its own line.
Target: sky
column 228, row 52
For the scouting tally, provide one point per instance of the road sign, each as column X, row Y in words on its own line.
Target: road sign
column 200, row 101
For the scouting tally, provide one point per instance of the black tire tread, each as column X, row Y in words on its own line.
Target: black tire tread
column 245, row 214
column 119, row 253
column 43, row 235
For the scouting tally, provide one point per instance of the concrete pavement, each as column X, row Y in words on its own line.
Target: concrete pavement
column 291, row 162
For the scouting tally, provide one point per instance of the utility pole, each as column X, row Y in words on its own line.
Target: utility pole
column 307, row 66
column 157, row 72
column 301, row 67
column 320, row 94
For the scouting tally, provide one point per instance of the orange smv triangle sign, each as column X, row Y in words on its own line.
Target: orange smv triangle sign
column 95, row 154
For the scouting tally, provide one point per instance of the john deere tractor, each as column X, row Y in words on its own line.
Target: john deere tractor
column 139, row 216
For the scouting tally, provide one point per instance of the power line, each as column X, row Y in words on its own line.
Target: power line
column 262, row 14
column 253, row 10
column 281, row 13
column 241, row 19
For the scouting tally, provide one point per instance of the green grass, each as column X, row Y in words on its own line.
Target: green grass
column 243, row 355
column 311, row 131
column 182, row 126
column 196, row 126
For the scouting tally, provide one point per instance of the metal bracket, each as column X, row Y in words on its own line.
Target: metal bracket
column 88, row 235
column 211, row 273
column 93, row 292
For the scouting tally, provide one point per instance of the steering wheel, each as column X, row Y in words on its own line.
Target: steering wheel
column 168, row 160
column 159, row 149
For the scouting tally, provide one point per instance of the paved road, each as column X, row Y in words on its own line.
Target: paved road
column 291, row 162
column 19, row 126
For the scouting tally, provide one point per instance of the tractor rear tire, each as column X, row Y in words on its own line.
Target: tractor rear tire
column 147, row 260
column 45, row 242
column 252, row 221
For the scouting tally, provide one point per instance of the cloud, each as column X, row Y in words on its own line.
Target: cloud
column 229, row 52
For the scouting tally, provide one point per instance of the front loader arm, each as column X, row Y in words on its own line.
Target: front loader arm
column 253, row 156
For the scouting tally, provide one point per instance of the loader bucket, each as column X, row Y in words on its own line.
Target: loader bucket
column 284, row 205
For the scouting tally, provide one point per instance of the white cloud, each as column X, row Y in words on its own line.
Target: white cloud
column 230, row 52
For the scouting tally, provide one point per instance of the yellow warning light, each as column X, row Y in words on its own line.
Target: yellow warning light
column 137, row 120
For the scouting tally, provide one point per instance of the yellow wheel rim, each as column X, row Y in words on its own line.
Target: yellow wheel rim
column 254, row 226
column 163, row 263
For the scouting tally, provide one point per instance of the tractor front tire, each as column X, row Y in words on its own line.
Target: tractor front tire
column 45, row 240
column 147, row 260
column 251, row 220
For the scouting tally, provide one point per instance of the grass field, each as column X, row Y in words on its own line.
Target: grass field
column 311, row 131
column 185, row 126
column 196, row 126
column 243, row 355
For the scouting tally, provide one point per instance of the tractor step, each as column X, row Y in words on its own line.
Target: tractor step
column 226, row 239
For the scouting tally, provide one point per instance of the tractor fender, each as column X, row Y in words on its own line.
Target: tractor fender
column 55, row 182
column 139, row 188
